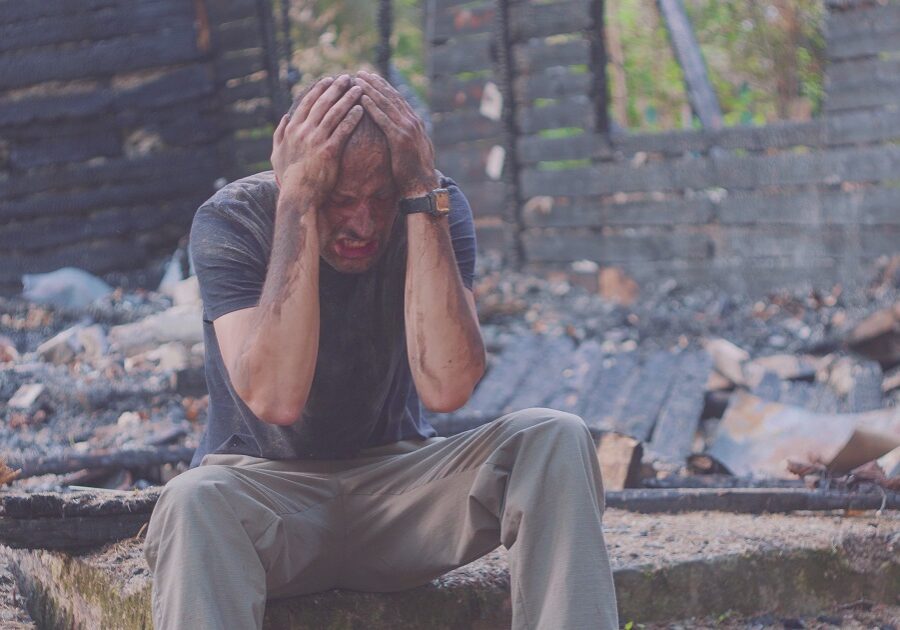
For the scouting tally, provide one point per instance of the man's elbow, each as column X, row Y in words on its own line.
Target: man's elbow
column 449, row 399
column 282, row 413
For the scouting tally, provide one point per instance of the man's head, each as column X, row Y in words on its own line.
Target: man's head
column 356, row 223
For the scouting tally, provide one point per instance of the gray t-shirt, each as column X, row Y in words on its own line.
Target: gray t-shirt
column 362, row 392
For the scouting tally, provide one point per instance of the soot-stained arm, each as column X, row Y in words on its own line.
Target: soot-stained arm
column 446, row 351
column 276, row 343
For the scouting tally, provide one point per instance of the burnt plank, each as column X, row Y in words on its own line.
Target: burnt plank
column 867, row 94
column 221, row 11
column 575, row 111
column 107, row 23
column 238, row 35
column 534, row 149
column 587, row 212
column 237, row 64
column 46, row 108
column 64, row 149
column 472, row 55
column 245, row 90
column 865, row 394
column 529, row 20
column 701, row 94
column 102, row 58
column 571, row 245
column 863, row 22
column 487, row 198
column 175, row 86
column 197, row 181
column 545, row 376
column 673, row 436
column 452, row 94
column 467, row 161
column 466, row 126
column 16, row 11
column 116, row 171
column 504, row 378
column 585, row 364
column 645, row 400
column 555, row 83
column 68, row 229
column 97, row 256
column 537, row 55
column 599, row 393
column 464, row 20
column 872, row 45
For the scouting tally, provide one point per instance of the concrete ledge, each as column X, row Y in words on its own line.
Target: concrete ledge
column 667, row 567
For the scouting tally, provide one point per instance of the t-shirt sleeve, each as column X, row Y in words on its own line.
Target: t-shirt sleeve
column 462, row 231
column 229, row 263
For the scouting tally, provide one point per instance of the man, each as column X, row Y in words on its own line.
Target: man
column 337, row 297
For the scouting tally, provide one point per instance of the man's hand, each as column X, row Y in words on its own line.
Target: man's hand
column 306, row 149
column 412, row 154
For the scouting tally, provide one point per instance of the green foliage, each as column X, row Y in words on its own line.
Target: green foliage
column 765, row 59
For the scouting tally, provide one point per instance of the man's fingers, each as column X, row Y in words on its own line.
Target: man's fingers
column 346, row 126
column 339, row 110
column 384, row 86
column 387, row 105
column 278, row 136
column 300, row 114
column 328, row 99
column 387, row 125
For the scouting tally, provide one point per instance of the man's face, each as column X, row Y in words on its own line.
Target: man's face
column 356, row 222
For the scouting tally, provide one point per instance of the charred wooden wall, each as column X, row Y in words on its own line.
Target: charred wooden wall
column 116, row 119
column 748, row 208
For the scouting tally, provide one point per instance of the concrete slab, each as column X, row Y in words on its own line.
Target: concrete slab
column 667, row 567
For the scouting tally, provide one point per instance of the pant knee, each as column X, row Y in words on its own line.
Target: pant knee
column 547, row 419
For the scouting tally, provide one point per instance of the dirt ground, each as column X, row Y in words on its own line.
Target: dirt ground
column 861, row 615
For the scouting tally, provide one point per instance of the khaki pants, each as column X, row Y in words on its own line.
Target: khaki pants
column 236, row 530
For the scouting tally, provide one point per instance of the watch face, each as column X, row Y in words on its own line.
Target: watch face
column 442, row 200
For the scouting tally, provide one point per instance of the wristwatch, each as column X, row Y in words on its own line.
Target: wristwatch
column 436, row 203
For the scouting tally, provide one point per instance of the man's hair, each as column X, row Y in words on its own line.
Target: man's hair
column 366, row 132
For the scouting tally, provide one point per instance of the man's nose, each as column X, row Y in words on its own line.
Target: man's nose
column 362, row 222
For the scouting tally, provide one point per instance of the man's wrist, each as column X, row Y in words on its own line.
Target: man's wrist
column 420, row 188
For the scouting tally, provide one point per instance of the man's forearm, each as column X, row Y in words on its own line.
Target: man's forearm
column 446, row 351
column 277, row 360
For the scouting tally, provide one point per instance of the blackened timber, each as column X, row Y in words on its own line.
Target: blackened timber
column 585, row 365
column 701, row 95
column 101, row 58
column 644, row 401
column 503, row 38
column 748, row 500
column 147, row 16
column 504, row 378
column 677, row 423
column 865, row 394
column 597, row 66
column 130, row 458
column 600, row 392
column 543, row 20
column 546, row 376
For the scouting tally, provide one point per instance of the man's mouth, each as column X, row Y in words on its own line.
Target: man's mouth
column 352, row 248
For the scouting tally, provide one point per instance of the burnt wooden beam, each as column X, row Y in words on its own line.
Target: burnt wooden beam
column 701, row 95
column 131, row 458
column 673, row 435
column 748, row 500
column 73, row 521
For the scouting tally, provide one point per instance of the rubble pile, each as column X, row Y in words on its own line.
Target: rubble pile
column 676, row 383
